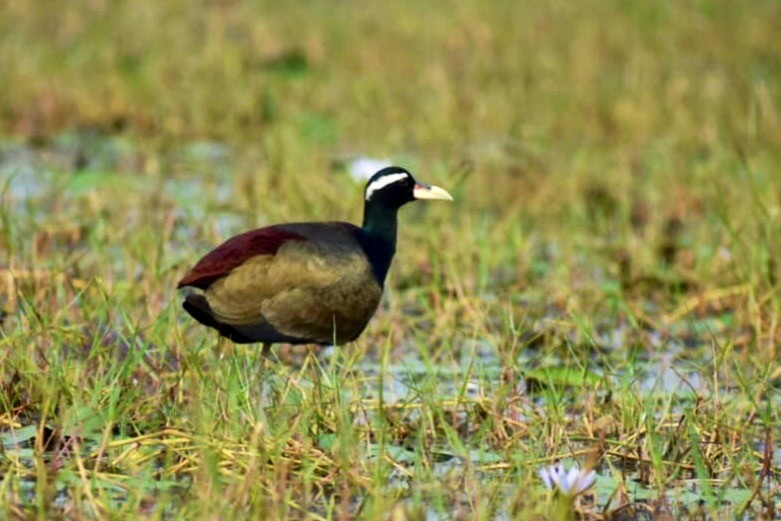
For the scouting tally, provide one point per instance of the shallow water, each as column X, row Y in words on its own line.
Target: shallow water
column 73, row 165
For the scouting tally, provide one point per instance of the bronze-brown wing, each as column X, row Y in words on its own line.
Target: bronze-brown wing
column 234, row 252
column 316, row 290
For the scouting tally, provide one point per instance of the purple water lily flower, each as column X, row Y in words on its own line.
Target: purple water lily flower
column 571, row 483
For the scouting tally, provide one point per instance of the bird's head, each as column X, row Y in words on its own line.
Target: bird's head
column 393, row 187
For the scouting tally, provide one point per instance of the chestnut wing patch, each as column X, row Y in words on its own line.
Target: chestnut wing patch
column 219, row 262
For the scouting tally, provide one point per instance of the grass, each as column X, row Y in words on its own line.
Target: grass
column 604, row 289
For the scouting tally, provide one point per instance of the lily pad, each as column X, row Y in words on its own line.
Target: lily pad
column 561, row 377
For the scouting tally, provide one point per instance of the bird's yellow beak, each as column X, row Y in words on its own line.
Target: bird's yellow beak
column 422, row 191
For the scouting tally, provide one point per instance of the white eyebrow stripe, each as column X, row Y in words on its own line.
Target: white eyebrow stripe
column 384, row 181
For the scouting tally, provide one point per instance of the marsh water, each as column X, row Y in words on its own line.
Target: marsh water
column 38, row 181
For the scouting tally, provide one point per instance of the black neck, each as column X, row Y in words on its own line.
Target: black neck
column 379, row 223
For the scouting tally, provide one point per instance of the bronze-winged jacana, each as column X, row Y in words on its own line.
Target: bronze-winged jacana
column 305, row 283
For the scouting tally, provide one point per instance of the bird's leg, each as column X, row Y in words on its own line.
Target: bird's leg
column 223, row 348
column 267, row 356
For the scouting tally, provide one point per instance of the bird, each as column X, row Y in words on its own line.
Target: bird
column 304, row 282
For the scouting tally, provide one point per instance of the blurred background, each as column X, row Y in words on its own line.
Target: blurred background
column 617, row 216
column 586, row 142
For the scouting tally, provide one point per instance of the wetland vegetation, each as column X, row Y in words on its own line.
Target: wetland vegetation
column 604, row 289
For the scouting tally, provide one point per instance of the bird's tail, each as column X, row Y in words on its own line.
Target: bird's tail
column 198, row 307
